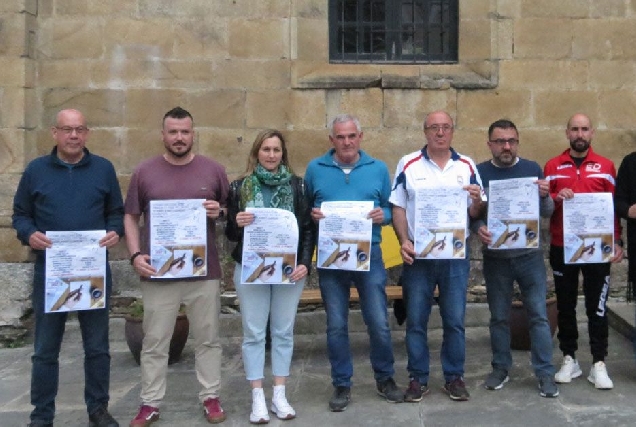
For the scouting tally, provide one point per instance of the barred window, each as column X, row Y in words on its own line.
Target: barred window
column 393, row 31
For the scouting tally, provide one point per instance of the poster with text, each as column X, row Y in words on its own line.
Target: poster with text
column 440, row 223
column 270, row 245
column 588, row 228
column 75, row 272
column 178, row 238
column 513, row 213
column 344, row 236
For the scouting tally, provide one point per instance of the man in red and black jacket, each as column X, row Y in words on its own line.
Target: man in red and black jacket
column 580, row 170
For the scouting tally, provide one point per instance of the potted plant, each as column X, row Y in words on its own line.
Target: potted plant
column 135, row 334
column 519, row 326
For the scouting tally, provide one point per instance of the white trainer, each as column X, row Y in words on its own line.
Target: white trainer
column 570, row 369
column 259, row 414
column 280, row 405
column 598, row 376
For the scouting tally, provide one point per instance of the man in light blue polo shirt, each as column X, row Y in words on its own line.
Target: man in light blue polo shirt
column 347, row 173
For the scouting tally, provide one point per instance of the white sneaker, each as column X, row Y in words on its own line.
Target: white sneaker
column 259, row 413
column 280, row 405
column 598, row 376
column 569, row 369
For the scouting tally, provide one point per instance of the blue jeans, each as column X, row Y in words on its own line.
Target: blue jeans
column 335, row 290
column 49, row 331
column 260, row 302
column 418, row 284
column 529, row 272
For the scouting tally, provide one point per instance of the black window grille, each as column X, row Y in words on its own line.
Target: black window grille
column 393, row 31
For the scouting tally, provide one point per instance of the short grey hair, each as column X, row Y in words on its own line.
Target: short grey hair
column 435, row 112
column 344, row 118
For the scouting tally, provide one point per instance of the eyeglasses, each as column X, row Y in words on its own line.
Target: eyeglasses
column 512, row 141
column 80, row 130
column 436, row 128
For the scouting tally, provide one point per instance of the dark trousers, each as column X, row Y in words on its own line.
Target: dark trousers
column 49, row 331
column 596, row 280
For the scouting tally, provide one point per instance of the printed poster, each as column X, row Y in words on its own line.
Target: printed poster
column 270, row 244
column 588, row 228
column 75, row 273
column 178, row 238
column 344, row 235
column 513, row 213
column 440, row 223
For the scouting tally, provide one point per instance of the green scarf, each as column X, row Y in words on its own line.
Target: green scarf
column 251, row 195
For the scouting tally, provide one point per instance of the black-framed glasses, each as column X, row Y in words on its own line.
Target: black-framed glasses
column 80, row 130
column 510, row 141
column 436, row 128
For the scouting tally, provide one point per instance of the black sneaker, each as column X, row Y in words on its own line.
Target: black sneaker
column 340, row 398
column 548, row 387
column 101, row 418
column 456, row 389
column 389, row 391
column 496, row 380
column 415, row 391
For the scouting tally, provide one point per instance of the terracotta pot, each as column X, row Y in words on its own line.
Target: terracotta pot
column 135, row 334
column 519, row 329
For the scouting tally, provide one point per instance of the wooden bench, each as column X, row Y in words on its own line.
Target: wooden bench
column 391, row 257
column 312, row 296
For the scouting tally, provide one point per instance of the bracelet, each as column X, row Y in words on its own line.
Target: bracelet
column 133, row 256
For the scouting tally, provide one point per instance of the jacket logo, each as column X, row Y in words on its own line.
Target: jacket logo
column 564, row 166
column 593, row 167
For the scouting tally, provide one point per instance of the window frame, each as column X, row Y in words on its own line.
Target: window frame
column 449, row 53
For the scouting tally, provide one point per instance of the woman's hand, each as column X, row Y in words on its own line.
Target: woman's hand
column 243, row 219
column 299, row 272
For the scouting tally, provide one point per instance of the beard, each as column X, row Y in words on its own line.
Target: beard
column 505, row 159
column 580, row 145
column 179, row 154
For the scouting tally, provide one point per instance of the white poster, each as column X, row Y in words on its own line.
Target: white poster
column 440, row 223
column 513, row 213
column 270, row 244
column 588, row 228
column 178, row 238
column 344, row 236
column 75, row 273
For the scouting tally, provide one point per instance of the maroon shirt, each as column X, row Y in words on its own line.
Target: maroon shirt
column 156, row 179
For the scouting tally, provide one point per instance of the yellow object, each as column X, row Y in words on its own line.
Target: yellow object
column 390, row 247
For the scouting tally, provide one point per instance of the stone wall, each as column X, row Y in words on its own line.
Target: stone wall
column 242, row 65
